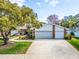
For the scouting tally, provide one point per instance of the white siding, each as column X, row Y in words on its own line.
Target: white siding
column 58, row 28
column 45, row 27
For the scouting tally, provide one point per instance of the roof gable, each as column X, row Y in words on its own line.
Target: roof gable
column 45, row 27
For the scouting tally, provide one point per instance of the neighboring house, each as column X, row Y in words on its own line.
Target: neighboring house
column 76, row 32
column 22, row 29
column 48, row 31
column 14, row 32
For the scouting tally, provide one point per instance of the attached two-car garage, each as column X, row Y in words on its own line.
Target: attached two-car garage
column 49, row 32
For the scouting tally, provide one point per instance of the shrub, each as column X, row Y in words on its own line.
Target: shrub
column 77, row 37
column 72, row 33
column 33, row 37
column 67, row 36
column 22, row 37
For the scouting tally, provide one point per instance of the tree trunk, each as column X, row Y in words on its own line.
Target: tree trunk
column 6, row 40
column 5, row 37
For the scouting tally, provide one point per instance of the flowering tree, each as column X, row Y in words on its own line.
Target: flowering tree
column 52, row 19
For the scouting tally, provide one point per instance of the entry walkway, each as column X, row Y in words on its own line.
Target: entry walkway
column 52, row 49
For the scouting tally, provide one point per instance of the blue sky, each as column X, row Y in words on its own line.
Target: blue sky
column 44, row 8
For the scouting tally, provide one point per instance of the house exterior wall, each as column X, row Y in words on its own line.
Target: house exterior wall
column 14, row 32
column 76, row 33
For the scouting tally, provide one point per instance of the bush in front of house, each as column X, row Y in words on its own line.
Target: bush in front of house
column 33, row 37
column 67, row 36
column 72, row 33
column 24, row 37
column 77, row 37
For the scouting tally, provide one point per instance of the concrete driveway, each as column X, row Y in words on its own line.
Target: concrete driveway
column 47, row 49
column 52, row 49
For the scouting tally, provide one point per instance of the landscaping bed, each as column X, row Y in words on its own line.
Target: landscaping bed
column 74, row 42
column 15, row 47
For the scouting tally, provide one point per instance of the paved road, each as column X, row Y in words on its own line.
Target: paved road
column 52, row 49
column 47, row 49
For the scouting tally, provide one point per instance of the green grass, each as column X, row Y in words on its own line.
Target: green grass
column 75, row 43
column 1, row 40
column 19, row 48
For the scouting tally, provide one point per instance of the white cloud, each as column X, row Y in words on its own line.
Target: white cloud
column 19, row 2
column 54, row 2
column 46, row 1
column 38, row 3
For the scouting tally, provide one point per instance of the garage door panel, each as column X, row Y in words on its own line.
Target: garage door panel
column 59, row 35
column 43, row 35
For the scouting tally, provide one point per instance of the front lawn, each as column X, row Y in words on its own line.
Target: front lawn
column 16, row 48
column 75, row 43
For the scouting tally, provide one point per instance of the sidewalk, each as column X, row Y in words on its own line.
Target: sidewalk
column 12, row 56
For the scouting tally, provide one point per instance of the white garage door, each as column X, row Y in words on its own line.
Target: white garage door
column 43, row 35
column 59, row 34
